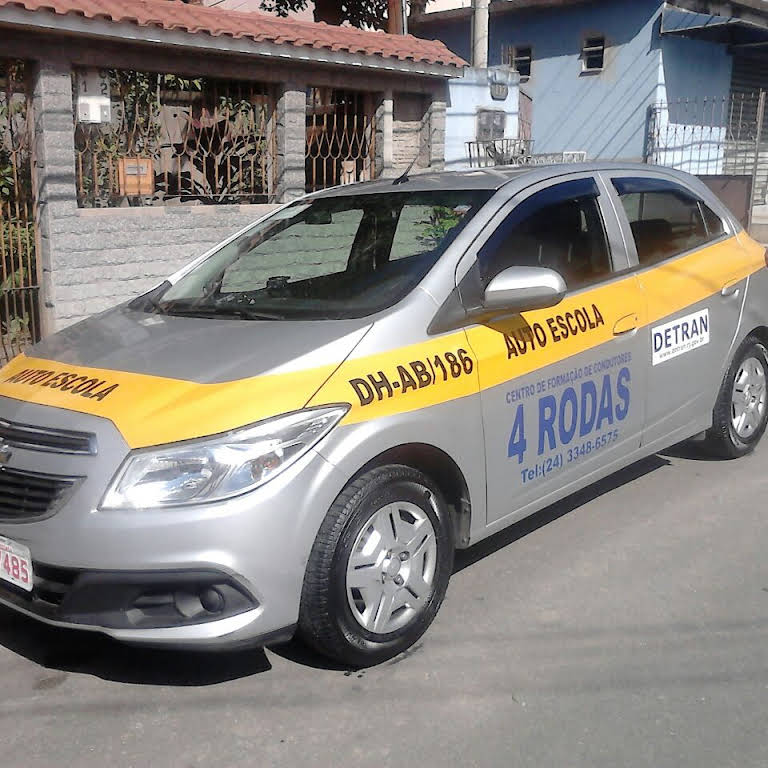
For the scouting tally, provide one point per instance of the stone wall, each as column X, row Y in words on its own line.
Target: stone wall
column 410, row 131
column 115, row 254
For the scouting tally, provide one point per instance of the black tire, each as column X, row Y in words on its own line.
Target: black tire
column 326, row 621
column 722, row 438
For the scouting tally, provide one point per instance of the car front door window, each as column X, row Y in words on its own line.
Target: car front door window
column 560, row 228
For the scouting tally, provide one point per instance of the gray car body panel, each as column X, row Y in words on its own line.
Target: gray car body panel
column 263, row 539
column 196, row 349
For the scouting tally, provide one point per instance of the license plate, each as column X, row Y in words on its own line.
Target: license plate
column 15, row 564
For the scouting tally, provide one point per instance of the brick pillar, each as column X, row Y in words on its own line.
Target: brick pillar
column 385, row 136
column 291, row 136
column 436, row 126
column 53, row 171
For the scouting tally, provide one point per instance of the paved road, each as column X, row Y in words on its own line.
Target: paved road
column 627, row 627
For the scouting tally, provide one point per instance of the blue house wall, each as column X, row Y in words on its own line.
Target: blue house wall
column 691, row 119
column 456, row 34
column 605, row 113
column 602, row 113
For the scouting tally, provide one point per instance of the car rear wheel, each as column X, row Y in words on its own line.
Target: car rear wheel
column 741, row 412
column 379, row 567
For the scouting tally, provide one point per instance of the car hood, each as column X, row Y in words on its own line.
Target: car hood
column 162, row 379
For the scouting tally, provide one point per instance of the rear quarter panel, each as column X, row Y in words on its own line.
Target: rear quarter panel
column 755, row 310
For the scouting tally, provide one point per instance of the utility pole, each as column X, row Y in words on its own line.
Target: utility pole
column 395, row 17
column 480, row 34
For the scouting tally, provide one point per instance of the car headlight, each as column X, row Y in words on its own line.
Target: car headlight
column 216, row 468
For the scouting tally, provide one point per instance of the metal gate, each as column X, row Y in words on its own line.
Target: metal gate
column 19, row 269
column 720, row 140
column 341, row 135
column 525, row 117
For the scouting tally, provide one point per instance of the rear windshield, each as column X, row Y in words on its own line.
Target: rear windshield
column 329, row 258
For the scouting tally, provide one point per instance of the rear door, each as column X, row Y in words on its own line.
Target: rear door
column 561, row 388
column 688, row 267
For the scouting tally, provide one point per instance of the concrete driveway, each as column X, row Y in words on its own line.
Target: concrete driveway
column 625, row 627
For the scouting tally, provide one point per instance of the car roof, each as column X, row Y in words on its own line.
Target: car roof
column 494, row 178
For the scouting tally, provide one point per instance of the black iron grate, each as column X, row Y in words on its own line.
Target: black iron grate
column 44, row 439
column 26, row 495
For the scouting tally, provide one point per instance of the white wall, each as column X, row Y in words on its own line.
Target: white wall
column 447, row 5
column 467, row 95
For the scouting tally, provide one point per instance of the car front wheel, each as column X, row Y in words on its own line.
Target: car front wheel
column 379, row 567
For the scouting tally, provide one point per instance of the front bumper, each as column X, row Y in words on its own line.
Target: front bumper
column 193, row 609
column 254, row 548
column 182, row 608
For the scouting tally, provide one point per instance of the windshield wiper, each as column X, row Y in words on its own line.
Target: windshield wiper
column 221, row 311
column 152, row 298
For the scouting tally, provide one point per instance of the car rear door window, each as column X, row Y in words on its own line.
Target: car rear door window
column 561, row 228
column 665, row 218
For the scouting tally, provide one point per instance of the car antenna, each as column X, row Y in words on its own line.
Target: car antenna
column 404, row 176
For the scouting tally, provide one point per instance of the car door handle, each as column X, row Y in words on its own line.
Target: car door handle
column 731, row 289
column 626, row 324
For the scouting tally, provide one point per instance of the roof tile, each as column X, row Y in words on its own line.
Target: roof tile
column 175, row 15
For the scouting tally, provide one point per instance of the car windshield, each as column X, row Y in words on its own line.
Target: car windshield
column 328, row 258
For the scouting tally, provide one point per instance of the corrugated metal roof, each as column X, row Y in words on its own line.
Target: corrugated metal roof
column 173, row 15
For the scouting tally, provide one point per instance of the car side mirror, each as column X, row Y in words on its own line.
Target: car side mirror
column 520, row 289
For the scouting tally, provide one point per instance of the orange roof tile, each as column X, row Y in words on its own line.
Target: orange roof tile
column 254, row 25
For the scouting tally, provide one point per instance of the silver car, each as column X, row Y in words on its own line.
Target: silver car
column 297, row 431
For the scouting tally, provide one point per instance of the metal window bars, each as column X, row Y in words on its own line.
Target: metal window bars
column 19, row 270
column 487, row 153
column 340, row 139
column 519, row 58
column 593, row 54
column 712, row 136
column 516, row 152
column 176, row 139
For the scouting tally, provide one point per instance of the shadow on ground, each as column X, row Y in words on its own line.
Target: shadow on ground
column 94, row 654
column 693, row 450
column 516, row 531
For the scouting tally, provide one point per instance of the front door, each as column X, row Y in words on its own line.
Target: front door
column 561, row 388
column 694, row 284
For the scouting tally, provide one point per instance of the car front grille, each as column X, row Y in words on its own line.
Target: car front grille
column 29, row 495
column 46, row 439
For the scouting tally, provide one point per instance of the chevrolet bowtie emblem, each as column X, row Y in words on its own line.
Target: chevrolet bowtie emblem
column 5, row 453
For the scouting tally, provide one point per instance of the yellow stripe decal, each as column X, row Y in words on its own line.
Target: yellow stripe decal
column 150, row 410
column 379, row 385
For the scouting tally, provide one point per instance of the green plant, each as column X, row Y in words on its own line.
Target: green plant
column 17, row 244
column 6, row 180
column 16, row 237
column 442, row 220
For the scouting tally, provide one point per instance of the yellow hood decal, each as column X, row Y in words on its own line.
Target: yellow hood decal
column 151, row 410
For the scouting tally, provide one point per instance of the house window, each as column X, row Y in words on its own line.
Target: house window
column 593, row 54
column 491, row 124
column 168, row 139
column 519, row 58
